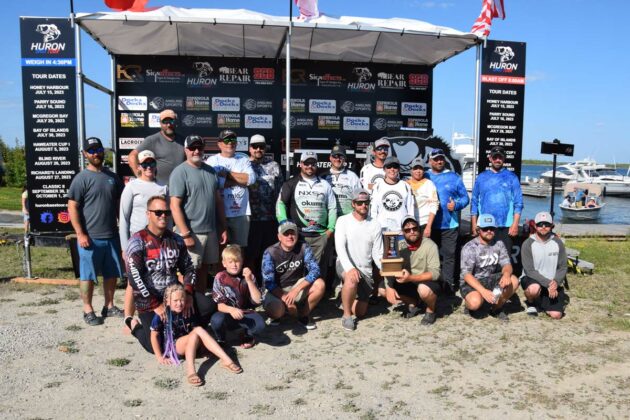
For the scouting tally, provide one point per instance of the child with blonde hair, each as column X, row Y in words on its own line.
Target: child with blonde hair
column 236, row 295
column 178, row 335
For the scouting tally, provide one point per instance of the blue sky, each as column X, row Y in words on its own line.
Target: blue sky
column 578, row 87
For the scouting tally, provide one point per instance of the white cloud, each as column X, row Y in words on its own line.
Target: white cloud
column 431, row 4
column 536, row 76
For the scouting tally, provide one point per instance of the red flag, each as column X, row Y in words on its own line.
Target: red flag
column 489, row 10
column 129, row 5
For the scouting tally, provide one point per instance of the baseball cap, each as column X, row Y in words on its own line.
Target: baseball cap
column 92, row 142
column 418, row 161
column 435, row 153
column 408, row 219
column 543, row 216
column 497, row 150
column 390, row 160
column 168, row 113
column 256, row 139
column 227, row 134
column 338, row 150
column 381, row 142
column 144, row 155
column 358, row 192
column 192, row 140
column 486, row 220
column 287, row 225
column 308, row 155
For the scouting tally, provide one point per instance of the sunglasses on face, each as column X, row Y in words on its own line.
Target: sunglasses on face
column 362, row 202
column 95, row 151
column 338, row 156
column 289, row 233
column 146, row 165
column 258, row 146
column 197, row 148
column 160, row 213
column 229, row 140
column 488, row 229
column 168, row 121
column 382, row 148
column 543, row 225
column 393, row 166
column 411, row 229
column 498, row 157
column 438, row 158
column 311, row 164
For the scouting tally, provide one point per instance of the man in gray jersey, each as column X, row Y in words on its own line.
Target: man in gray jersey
column 544, row 259
column 486, row 271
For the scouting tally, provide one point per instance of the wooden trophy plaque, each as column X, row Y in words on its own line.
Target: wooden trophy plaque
column 391, row 263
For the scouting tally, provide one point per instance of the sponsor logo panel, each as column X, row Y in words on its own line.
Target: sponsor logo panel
column 413, row 109
column 129, row 73
column 258, row 121
column 418, row 123
column 387, row 107
column 131, row 119
column 363, row 80
column 190, row 120
column 322, row 106
column 505, row 55
column 197, row 103
column 353, row 107
column 356, row 123
column 163, row 76
column 223, row 103
column 257, row 105
column 203, row 78
column 154, row 120
column 159, row 103
column 264, row 75
column 49, row 44
column 234, row 75
column 298, row 105
column 132, row 103
column 387, row 80
column 418, row 81
column 328, row 122
column 382, row 124
column 129, row 143
column 326, row 80
column 299, row 122
column 228, row 120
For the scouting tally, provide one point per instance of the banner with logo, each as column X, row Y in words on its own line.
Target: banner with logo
column 502, row 102
column 349, row 103
column 50, row 124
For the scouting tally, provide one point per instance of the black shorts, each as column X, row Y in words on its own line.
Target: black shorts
column 546, row 303
column 411, row 289
column 488, row 282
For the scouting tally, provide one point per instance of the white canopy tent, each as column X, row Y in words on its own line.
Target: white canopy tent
column 244, row 33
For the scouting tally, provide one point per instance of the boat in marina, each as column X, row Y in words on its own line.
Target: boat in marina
column 462, row 149
column 589, row 171
column 582, row 201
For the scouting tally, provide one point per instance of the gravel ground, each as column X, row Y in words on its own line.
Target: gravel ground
column 52, row 365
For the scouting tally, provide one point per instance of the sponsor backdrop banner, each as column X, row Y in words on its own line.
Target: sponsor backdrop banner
column 349, row 103
column 50, row 125
column 502, row 102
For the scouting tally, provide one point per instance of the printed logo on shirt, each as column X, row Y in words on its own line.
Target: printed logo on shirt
column 392, row 201
column 489, row 260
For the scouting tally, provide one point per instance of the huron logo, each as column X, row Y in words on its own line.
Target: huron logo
column 506, row 55
column 50, row 33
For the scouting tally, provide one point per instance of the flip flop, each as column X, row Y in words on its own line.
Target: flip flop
column 248, row 342
column 194, row 380
column 232, row 367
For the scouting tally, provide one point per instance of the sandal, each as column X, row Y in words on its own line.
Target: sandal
column 248, row 342
column 232, row 367
column 194, row 380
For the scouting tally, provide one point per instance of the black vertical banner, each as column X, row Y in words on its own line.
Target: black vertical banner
column 502, row 102
column 50, row 124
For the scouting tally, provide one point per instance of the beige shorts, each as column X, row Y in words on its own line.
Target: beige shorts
column 300, row 299
column 238, row 230
column 206, row 249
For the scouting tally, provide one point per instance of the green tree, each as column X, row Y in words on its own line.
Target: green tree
column 14, row 164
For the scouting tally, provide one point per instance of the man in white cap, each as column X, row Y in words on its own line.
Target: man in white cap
column 373, row 171
column 544, row 259
column 166, row 145
column 486, row 270
column 197, row 207
column 309, row 201
column 359, row 246
column 342, row 180
column 263, row 194
column 235, row 175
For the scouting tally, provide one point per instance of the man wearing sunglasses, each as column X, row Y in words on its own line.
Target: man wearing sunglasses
column 155, row 256
column 371, row 172
column 445, row 231
column 263, row 194
column 486, row 271
column 342, row 180
column 421, row 271
column 497, row 191
column 198, row 211
column 167, row 146
column 93, row 205
column 544, row 259
column 359, row 246
column 235, row 175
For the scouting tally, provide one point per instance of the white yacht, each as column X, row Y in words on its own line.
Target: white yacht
column 462, row 149
column 591, row 172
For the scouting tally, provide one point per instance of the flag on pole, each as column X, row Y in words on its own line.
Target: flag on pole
column 489, row 9
column 308, row 9
column 129, row 5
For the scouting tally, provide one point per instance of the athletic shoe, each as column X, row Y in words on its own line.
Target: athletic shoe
column 501, row 316
column 273, row 322
column 114, row 311
column 308, row 322
column 91, row 319
column 348, row 323
column 428, row 318
column 531, row 310
column 412, row 311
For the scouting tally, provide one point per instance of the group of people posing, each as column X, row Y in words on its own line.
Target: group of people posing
column 282, row 244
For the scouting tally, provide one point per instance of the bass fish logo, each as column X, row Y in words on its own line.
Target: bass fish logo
column 49, row 33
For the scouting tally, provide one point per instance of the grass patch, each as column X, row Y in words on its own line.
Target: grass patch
column 166, row 383
column 120, row 362
column 299, row 401
column 26, row 313
column 68, row 346
column 51, row 311
column 275, row 387
column 42, row 302
column 132, row 403
column 71, row 295
column 262, row 409
column 3, row 300
column 73, row 327
column 55, row 384
column 350, row 407
column 216, row 395
column 10, row 198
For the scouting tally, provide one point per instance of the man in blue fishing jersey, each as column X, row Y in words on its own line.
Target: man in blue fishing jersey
column 497, row 191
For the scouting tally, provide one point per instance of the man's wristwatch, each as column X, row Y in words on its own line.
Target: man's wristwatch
column 187, row 234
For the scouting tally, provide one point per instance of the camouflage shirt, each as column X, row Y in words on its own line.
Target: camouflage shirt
column 482, row 260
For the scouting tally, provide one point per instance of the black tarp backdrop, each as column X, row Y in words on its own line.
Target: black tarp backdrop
column 502, row 102
column 50, row 122
column 332, row 102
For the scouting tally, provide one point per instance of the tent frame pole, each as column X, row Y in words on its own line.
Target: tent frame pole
column 477, row 111
column 287, row 81
column 80, row 94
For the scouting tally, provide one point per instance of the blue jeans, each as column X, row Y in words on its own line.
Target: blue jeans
column 221, row 322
